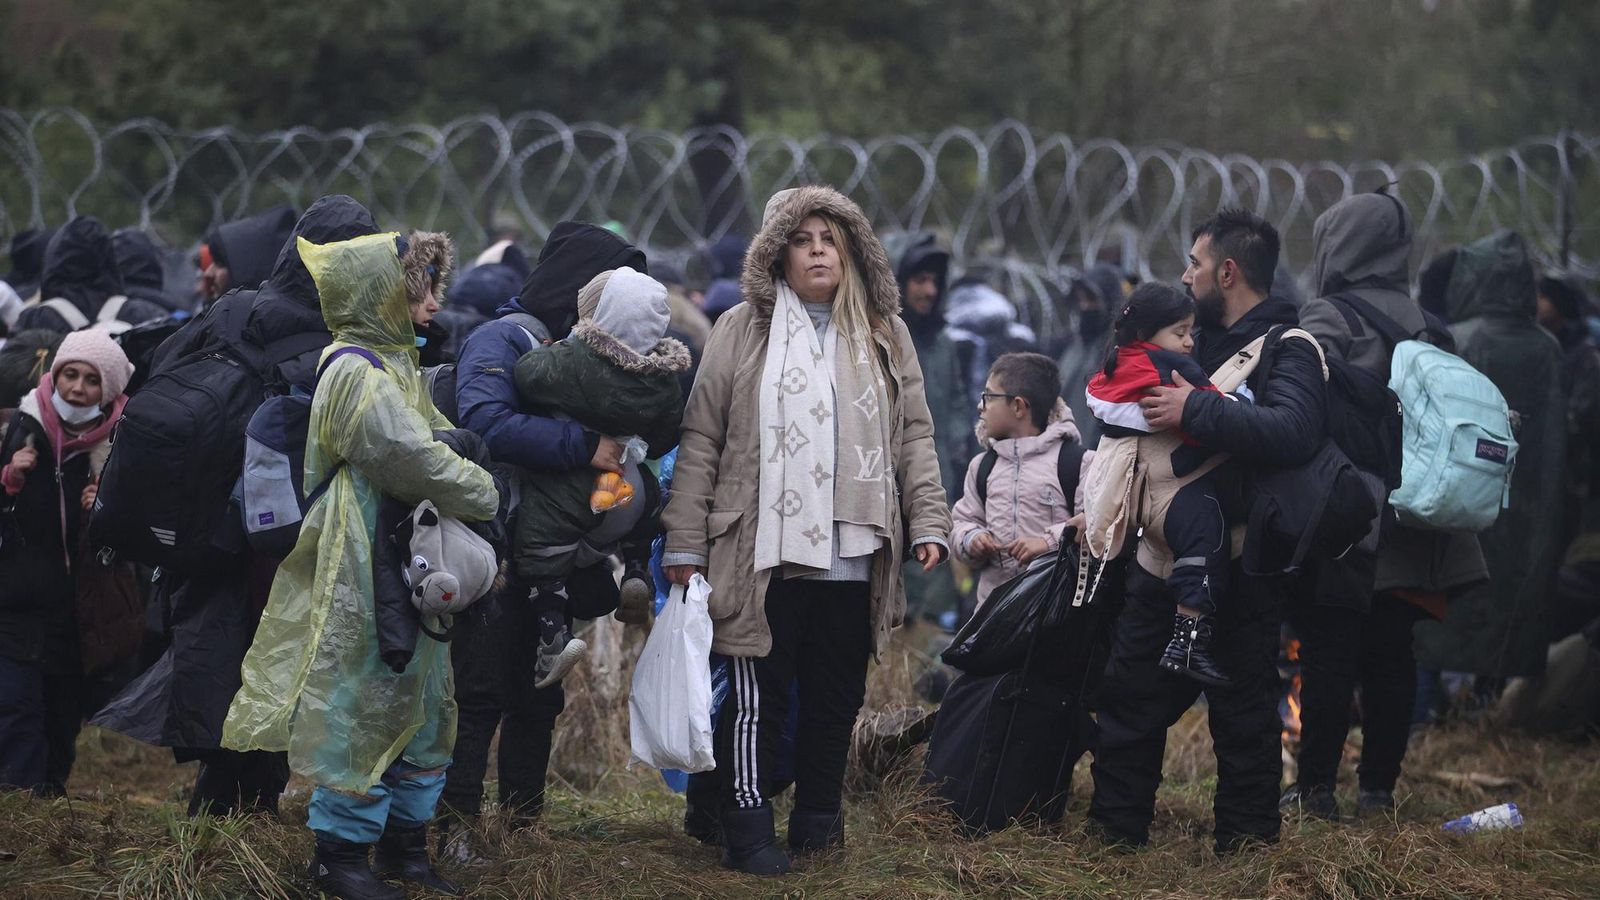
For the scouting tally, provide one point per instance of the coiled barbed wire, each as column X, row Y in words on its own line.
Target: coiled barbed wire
column 1036, row 207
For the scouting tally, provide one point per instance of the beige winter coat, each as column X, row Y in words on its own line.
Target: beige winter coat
column 713, row 513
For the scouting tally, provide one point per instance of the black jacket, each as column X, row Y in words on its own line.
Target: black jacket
column 248, row 248
column 181, row 702
column 37, row 622
column 80, row 266
column 551, row 291
column 286, row 304
column 143, row 276
column 1287, row 422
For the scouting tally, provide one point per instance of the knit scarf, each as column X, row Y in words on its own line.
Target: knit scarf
column 820, row 399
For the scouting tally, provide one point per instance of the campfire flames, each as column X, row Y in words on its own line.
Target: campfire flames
column 1289, row 706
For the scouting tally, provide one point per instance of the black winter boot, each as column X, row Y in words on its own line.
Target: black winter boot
column 750, row 842
column 340, row 869
column 403, row 854
column 812, row 831
column 1313, row 800
column 1189, row 652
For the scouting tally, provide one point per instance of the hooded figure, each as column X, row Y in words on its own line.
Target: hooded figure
column 248, row 247
column 143, row 277
column 314, row 682
column 429, row 261
column 27, row 260
column 931, row 595
column 486, row 394
column 1356, row 614
column 181, row 701
column 1099, row 294
column 1500, row 629
column 806, row 475
column 617, row 373
column 80, row 267
column 1361, row 247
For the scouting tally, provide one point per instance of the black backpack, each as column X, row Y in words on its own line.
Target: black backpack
column 1068, row 465
column 1317, row 510
column 178, row 449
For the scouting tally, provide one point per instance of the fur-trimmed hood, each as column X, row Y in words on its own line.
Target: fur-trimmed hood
column 785, row 211
column 668, row 357
column 1060, row 419
column 424, row 249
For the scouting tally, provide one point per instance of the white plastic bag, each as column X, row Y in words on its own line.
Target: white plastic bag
column 669, row 712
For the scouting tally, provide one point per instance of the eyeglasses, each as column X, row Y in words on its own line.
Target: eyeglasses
column 983, row 398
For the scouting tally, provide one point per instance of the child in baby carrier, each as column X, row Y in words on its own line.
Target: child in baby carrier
column 1151, row 340
column 617, row 374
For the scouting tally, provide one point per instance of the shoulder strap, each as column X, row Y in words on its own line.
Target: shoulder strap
column 111, row 308
column 364, row 353
column 1388, row 328
column 1309, row 338
column 69, row 313
column 1237, row 369
column 985, row 469
column 1069, row 468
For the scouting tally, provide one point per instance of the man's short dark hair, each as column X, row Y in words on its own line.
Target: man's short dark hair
column 1032, row 376
column 1247, row 239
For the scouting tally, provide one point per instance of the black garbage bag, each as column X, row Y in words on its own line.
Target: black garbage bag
column 24, row 360
column 997, row 636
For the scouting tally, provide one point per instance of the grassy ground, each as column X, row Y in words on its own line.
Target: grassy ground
column 122, row 833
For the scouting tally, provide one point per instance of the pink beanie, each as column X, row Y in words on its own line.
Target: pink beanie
column 95, row 347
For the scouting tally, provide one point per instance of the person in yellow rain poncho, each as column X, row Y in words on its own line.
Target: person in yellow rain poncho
column 375, row 743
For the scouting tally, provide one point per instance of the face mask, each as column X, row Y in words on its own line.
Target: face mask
column 421, row 341
column 74, row 415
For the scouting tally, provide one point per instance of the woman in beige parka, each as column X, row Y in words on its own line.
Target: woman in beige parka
column 806, row 474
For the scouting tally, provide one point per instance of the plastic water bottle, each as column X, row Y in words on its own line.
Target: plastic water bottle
column 1506, row 815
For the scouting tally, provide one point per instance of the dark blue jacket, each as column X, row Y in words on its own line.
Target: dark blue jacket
column 486, row 396
column 486, row 389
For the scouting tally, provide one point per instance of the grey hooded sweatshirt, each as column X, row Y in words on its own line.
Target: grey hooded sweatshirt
column 1361, row 246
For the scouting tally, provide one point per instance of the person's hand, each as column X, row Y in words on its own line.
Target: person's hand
column 929, row 554
column 1163, row 406
column 90, row 491
column 607, row 456
column 983, row 546
column 680, row 575
column 1076, row 525
column 24, row 460
column 1026, row 550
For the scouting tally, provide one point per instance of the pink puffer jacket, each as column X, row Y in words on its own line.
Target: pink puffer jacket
column 1025, row 498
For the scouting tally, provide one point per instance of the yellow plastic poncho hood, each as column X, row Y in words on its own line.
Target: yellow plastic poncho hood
column 313, row 682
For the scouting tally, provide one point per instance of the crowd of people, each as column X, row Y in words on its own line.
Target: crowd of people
column 838, row 431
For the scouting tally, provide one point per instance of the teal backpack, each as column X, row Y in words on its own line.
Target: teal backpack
column 1457, row 447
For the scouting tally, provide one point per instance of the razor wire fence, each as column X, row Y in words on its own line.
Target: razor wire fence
column 1034, row 208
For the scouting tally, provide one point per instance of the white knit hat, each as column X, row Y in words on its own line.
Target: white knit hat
column 94, row 347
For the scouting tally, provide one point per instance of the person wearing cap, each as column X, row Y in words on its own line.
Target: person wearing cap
column 806, row 474
column 53, row 451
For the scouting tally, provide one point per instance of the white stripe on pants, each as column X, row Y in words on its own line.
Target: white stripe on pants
column 746, row 737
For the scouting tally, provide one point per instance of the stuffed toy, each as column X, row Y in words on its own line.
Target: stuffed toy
column 450, row 567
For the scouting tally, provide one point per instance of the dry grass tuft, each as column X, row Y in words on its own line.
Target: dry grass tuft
column 122, row 833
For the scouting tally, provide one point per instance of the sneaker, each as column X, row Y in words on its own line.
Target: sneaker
column 1318, row 802
column 637, row 597
column 558, row 650
column 1189, row 652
